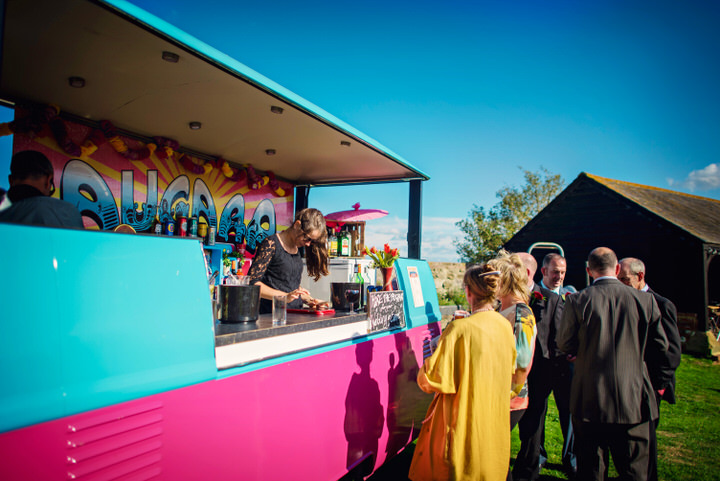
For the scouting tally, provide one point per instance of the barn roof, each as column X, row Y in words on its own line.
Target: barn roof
column 699, row 216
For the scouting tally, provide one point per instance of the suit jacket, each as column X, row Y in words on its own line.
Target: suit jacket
column 548, row 312
column 609, row 327
column 662, row 370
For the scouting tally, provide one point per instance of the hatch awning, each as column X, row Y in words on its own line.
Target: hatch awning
column 118, row 48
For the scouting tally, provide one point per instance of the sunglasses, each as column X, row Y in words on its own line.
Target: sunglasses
column 306, row 238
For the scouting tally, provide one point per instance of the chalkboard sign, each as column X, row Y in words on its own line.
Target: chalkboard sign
column 385, row 310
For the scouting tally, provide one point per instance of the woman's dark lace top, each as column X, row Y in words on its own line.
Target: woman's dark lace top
column 276, row 268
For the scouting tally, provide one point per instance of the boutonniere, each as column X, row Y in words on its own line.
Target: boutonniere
column 536, row 297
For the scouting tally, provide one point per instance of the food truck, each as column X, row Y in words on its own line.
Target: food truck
column 114, row 365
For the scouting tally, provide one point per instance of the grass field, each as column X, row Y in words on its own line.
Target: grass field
column 688, row 436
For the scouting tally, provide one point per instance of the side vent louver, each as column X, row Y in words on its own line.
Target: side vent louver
column 124, row 444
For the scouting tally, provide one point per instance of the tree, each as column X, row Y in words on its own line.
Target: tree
column 486, row 231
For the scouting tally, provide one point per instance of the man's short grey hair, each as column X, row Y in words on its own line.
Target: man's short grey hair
column 551, row 257
column 636, row 266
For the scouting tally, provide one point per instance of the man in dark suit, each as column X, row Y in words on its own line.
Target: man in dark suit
column 610, row 328
column 32, row 184
column 551, row 372
column 662, row 371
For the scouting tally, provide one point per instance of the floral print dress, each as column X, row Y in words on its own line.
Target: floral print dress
column 523, row 321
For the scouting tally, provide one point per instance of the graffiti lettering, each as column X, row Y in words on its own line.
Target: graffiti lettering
column 174, row 203
column 204, row 204
column 142, row 219
column 256, row 231
column 84, row 187
column 233, row 219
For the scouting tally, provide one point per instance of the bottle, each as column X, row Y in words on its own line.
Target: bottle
column 193, row 226
column 202, row 232
column 359, row 279
column 366, row 276
column 332, row 248
column 344, row 245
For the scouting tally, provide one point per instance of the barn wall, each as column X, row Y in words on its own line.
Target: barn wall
column 588, row 215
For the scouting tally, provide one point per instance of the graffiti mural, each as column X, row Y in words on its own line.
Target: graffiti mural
column 84, row 187
column 139, row 217
column 109, row 190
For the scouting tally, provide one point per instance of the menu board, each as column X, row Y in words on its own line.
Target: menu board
column 385, row 311
column 415, row 286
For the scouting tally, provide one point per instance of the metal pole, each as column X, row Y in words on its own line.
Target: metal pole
column 414, row 236
column 301, row 197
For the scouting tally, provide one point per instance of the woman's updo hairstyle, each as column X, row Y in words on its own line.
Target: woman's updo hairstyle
column 514, row 277
column 483, row 281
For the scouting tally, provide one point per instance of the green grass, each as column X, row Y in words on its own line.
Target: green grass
column 688, row 436
column 689, row 431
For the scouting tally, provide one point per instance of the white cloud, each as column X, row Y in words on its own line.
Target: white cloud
column 438, row 234
column 707, row 178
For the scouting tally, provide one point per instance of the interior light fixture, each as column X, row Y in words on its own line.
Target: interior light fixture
column 195, row 125
column 276, row 110
column 345, row 143
column 76, row 82
column 270, row 151
column 170, row 57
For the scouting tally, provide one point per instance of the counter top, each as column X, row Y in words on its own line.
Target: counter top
column 245, row 343
column 226, row 334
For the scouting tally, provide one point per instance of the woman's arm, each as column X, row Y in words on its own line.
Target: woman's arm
column 262, row 260
column 525, row 332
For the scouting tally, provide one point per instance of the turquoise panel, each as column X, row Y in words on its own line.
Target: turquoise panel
column 30, row 334
column 428, row 308
column 96, row 318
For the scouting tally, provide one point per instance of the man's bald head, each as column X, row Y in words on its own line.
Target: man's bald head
column 602, row 262
column 530, row 264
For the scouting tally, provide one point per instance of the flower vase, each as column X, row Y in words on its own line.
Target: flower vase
column 387, row 273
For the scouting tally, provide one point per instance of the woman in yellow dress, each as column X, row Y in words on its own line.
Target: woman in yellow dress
column 466, row 434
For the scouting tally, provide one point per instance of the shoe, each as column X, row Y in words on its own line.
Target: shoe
column 571, row 470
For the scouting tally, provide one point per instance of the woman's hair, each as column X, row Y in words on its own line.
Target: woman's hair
column 483, row 281
column 316, row 255
column 514, row 278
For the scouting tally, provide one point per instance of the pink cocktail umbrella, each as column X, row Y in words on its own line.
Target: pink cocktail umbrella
column 355, row 215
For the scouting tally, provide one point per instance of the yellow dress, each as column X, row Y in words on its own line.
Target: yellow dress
column 466, row 434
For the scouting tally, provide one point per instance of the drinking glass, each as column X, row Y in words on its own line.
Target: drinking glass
column 353, row 296
column 279, row 310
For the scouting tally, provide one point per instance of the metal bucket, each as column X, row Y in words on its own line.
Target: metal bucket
column 239, row 303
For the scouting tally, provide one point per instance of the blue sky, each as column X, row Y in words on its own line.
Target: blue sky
column 469, row 92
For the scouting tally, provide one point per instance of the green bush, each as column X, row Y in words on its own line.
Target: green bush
column 454, row 297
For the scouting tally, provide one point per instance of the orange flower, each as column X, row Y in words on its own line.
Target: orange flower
column 384, row 258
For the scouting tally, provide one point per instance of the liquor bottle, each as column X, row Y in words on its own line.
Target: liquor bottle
column 332, row 248
column 344, row 244
column 359, row 279
column 366, row 276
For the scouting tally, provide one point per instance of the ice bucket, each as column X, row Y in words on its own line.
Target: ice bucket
column 239, row 303
column 338, row 297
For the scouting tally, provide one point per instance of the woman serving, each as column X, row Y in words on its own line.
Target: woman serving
column 277, row 267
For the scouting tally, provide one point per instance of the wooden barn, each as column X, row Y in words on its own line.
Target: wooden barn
column 677, row 236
